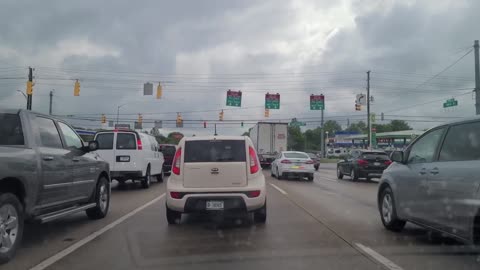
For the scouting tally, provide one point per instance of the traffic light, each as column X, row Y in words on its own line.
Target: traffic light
column 140, row 118
column 267, row 113
column 159, row 91
column 220, row 116
column 241, row 124
column 179, row 120
column 358, row 107
column 382, row 117
column 204, row 124
column 76, row 89
column 104, row 119
column 29, row 87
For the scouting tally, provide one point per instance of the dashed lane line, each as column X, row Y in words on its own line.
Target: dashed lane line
column 279, row 189
column 378, row 257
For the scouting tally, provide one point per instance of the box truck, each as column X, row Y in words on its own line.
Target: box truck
column 269, row 139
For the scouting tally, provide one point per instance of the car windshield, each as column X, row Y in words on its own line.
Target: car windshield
column 215, row 151
column 295, row 155
column 240, row 134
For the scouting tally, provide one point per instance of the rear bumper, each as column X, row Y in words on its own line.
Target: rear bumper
column 126, row 174
column 288, row 173
column 233, row 202
column 369, row 173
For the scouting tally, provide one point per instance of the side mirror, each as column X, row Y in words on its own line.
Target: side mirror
column 92, row 146
column 397, row 156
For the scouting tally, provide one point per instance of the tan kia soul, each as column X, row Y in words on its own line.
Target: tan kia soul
column 216, row 173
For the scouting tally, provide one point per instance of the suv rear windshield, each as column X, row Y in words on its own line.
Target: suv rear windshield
column 105, row 141
column 126, row 141
column 11, row 132
column 167, row 150
column 295, row 155
column 215, row 151
column 379, row 156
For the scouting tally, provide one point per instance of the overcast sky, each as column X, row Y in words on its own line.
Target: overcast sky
column 199, row 49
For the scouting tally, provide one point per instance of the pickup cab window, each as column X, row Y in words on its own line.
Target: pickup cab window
column 71, row 138
column 49, row 136
column 11, row 132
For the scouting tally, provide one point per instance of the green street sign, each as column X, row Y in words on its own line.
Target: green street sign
column 272, row 101
column 450, row 103
column 317, row 102
column 234, row 98
column 295, row 123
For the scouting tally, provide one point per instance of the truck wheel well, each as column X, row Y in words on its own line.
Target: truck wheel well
column 104, row 174
column 14, row 186
column 476, row 229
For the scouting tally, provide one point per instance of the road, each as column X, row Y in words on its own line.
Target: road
column 327, row 224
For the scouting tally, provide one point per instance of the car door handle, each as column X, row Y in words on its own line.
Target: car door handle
column 434, row 171
column 75, row 159
column 48, row 158
column 423, row 171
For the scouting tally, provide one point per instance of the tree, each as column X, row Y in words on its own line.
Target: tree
column 295, row 139
column 397, row 125
column 332, row 126
column 174, row 137
column 358, row 127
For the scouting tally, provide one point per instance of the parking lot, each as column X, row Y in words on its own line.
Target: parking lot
column 332, row 223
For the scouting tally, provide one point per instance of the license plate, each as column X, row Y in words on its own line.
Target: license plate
column 214, row 205
column 376, row 163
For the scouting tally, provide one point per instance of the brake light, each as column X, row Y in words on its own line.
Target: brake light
column 176, row 162
column 285, row 161
column 362, row 162
column 176, row 195
column 253, row 193
column 388, row 162
column 309, row 162
column 139, row 144
column 253, row 160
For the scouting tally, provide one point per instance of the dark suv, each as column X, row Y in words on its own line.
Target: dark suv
column 168, row 151
column 363, row 164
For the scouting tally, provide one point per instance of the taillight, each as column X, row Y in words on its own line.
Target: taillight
column 139, row 144
column 253, row 193
column 362, row 162
column 309, row 162
column 388, row 162
column 176, row 195
column 176, row 162
column 285, row 161
column 253, row 161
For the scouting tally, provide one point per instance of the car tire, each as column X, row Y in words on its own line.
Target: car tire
column 279, row 176
column 353, row 175
column 271, row 172
column 388, row 211
column 339, row 173
column 260, row 215
column 160, row 177
column 317, row 167
column 12, row 210
column 147, row 180
column 173, row 217
column 310, row 178
column 102, row 200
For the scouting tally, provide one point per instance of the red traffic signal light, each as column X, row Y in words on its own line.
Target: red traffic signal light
column 204, row 124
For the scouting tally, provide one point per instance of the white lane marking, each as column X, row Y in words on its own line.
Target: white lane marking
column 379, row 258
column 331, row 180
column 279, row 189
column 53, row 259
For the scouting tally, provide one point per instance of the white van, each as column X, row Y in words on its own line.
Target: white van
column 216, row 174
column 131, row 155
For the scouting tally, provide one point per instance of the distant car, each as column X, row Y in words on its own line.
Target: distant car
column 168, row 151
column 46, row 172
column 435, row 183
column 215, row 174
column 363, row 164
column 316, row 160
column 131, row 155
column 293, row 164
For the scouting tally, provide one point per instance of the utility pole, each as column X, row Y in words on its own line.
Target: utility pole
column 477, row 78
column 348, row 122
column 51, row 99
column 215, row 130
column 29, row 92
column 369, row 124
column 322, row 137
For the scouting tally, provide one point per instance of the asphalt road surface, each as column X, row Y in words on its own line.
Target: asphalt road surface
column 327, row 224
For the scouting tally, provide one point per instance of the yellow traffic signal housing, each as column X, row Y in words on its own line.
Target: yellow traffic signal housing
column 104, row 119
column 159, row 91
column 220, row 116
column 179, row 120
column 267, row 113
column 140, row 118
column 29, row 87
column 76, row 89
column 358, row 107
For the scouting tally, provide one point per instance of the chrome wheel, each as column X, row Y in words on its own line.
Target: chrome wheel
column 103, row 195
column 8, row 227
column 387, row 208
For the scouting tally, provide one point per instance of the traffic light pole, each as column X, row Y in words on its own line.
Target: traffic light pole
column 29, row 95
column 369, row 123
column 51, row 101
column 322, row 137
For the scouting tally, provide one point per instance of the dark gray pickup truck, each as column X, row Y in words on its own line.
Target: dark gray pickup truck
column 46, row 172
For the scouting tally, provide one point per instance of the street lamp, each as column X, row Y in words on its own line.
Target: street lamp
column 118, row 110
